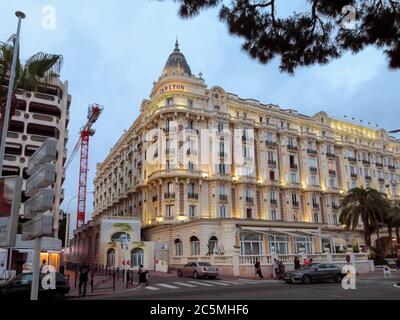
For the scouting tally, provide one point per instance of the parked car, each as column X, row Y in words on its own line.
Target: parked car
column 19, row 288
column 197, row 270
column 314, row 272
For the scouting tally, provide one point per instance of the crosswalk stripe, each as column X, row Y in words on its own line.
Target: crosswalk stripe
column 201, row 283
column 184, row 284
column 152, row 288
column 167, row 286
column 231, row 282
column 217, row 282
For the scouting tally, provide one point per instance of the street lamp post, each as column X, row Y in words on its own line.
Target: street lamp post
column 6, row 115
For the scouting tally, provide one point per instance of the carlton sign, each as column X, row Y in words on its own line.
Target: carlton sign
column 171, row 87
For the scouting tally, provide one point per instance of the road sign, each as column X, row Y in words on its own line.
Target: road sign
column 42, row 178
column 41, row 202
column 10, row 199
column 46, row 153
column 41, row 225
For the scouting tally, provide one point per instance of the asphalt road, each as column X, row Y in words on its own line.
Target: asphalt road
column 171, row 287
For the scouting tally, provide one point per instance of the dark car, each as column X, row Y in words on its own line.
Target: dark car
column 313, row 273
column 19, row 288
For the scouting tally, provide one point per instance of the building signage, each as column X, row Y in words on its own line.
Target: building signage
column 171, row 87
column 10, row 198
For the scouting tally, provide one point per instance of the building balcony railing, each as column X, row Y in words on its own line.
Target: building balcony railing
column 332, row 172
column 391, row 167
column 330, row 155
column 312, row 151
column 223, row 197
column 222, row 154
column 313, row 169
column 315, row 205
column 296, row 204
column 272, row 162
column 249, row 200
column 351, row 159
column 293, row 166
column 193, row 196
column 169, row 195
column 379, row 164
column 335, row 206
column 155, row 198
column 274, row 202
column 271, row 144
column 353, row 175
column 381, row 180
column 291, row 147
column 366, row 162
column 368, row 178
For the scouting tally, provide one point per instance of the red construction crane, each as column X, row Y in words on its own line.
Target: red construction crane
column 94, row 112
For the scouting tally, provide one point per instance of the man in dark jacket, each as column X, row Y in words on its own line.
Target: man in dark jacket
column 83, row 278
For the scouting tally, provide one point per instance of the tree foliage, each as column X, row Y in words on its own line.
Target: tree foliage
column 306, row 38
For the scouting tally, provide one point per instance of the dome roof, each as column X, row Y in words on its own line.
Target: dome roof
column 176, row 63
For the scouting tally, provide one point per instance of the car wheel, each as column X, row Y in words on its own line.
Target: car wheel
column 338, row 278
column 179, row 273
column 195, row 275
column 306, row 279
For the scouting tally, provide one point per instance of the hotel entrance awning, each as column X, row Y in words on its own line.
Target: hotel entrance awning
column 278, row 231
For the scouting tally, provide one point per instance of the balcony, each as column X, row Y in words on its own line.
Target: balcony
column 354, row 175
column 293, row 167
column 330, row 155
column 155, row 198
column 366, row 162
column 272, row 163
column 296, row 204
column 249, row 200
column 193, row 196
column 222, row 154
column 379, row 164
column 270, row 144
column 223, row 197
column 274, row 202
column 315, row 205
column 312, row 151
column 313, row 169
column 332, row 172
column 391, row 167
column 351, row 159
column 292, row 147
column 381, row 180
column 169, row 195
column 368, row 178
column 335, row 206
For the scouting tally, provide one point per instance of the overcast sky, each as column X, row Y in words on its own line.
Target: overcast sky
column 114, row 50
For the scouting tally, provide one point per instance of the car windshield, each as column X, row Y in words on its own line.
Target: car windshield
column 309, row 266
column 204, row 264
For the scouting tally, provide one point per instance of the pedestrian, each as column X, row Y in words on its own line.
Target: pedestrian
column 306, row 262
column 142, row 276
column 296, row 263
column 83, row 278
column 44, row 267
column 62, row 269
column 276, row 268
column 257, row 266
column 311, row 261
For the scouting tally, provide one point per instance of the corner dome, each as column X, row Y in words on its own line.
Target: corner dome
column 176, row 64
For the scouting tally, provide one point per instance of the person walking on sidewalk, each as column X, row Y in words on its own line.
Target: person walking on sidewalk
column 257, row 266
column 143, row 280
column 83, row 278
column 296, row 263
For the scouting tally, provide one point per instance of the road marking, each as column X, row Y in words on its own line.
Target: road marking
column 167, row 286
column 231, row 282
column 134, row 289
column 152, row 288
column 184, row 284
column 249, row 281
column 201, row 283
column 217, row 282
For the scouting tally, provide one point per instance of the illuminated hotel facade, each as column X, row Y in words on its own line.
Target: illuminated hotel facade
column 204, row 170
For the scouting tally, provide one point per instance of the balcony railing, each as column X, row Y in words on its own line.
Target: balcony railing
column 223, row 197
column 312, row 151
column 249, row 200
column 295, row 204
column 353, row 175
column 332, row 172
column 272, row 162
column 391, row 167
column 335, row 206
column 313, row 169
column 330, row 155
column 271, row 144
column 292, row 147
column 293, row 166
column 222, row 154
column 155, row 198
column 366, row 162
column 315, row 205
column 169, row 195
column 351, row 159
column 193, row 196
column 381, row 180
column 368, row 177
column 274, row 202
column 379, row 164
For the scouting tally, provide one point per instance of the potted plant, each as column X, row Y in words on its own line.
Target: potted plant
column 327, row 249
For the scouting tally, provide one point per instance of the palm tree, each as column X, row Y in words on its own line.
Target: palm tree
column 366, row 204
column 392, row 220
column 40, row 68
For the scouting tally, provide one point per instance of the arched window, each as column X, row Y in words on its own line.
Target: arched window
column 213, row 244
column 178, row 247
column 194, row 246
column 137, row 257
column 96, row 244
column 110, row 258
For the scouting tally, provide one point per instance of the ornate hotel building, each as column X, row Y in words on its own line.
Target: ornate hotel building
column 235, row 175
